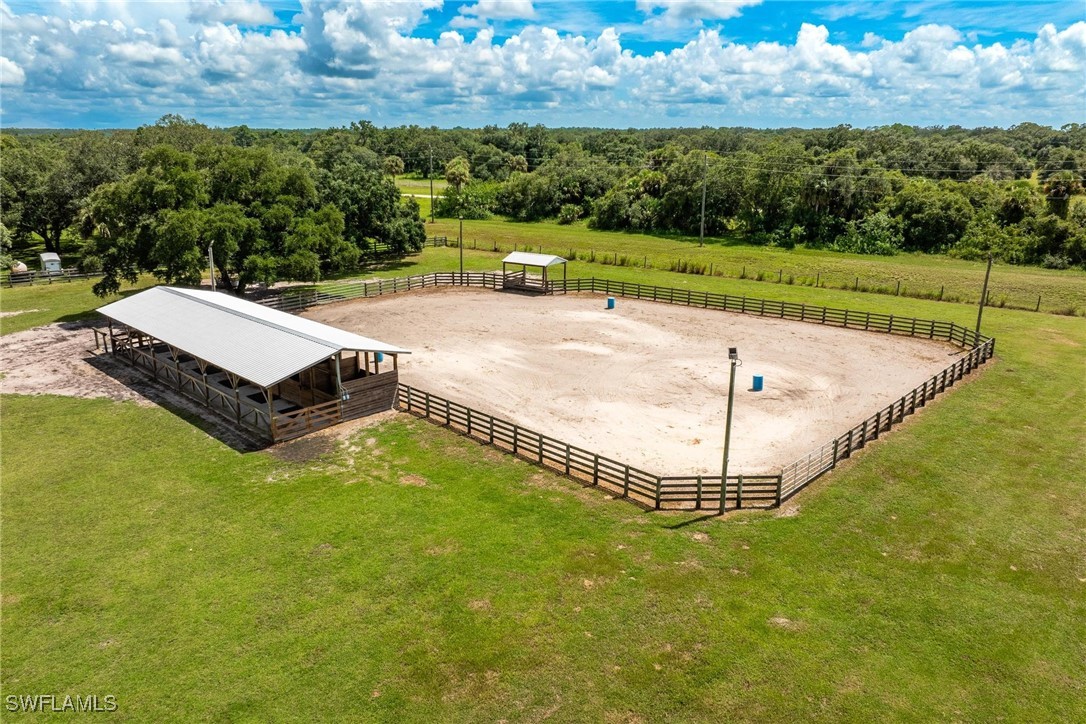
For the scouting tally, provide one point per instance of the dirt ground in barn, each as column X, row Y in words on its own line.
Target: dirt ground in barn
column 645, row 383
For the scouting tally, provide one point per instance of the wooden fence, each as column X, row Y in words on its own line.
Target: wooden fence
column 13, row 279
column 811, row 466
column 647, row 489
column 639, row 486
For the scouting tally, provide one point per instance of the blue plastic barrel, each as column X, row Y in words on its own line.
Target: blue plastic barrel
column 610, row 302
column 381, row 357
column 757, row 386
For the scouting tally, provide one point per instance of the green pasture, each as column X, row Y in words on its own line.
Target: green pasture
column 920, row 275
column 420, row 186
column 403, row 573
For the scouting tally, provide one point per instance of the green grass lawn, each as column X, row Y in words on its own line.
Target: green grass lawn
column 60, row 302
column 918, row 274
column 407, row 574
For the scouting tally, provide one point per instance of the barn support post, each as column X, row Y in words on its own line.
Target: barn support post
column 339, row 383
column 237, row 395
column 271, row 412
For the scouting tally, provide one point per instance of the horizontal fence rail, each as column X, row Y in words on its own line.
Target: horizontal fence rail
column 14, row 279
column 655, row 491
column 639, row 486
column 796, row 476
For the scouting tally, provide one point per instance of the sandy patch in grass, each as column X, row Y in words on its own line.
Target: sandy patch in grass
column 645, row 383
column 54, row 359
column 59, row 359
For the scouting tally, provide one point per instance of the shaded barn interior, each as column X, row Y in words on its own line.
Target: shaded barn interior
column 274, row 373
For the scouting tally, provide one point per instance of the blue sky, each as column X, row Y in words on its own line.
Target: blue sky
column 641, row 63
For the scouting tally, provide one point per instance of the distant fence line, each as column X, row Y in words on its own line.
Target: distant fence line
column 820, row 279
column 639, row 486
column 13, row 279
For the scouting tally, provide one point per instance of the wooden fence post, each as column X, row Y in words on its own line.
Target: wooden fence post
column 697, row 503
column 595, row 469
column 626, row 482
column 739, row 494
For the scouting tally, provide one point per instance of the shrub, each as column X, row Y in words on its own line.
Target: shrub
column 569, row 213
column 877, row 234
column 1055, row 261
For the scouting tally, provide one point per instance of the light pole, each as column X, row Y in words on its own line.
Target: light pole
column 211, row 262
column 460, row 243
column 733, row 355
column 984, row 294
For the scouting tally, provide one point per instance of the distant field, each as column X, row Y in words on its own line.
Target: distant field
column 420, row 186
column 918, row 274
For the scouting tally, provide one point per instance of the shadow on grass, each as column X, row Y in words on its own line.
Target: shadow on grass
column 693, row 521
column 192, row 412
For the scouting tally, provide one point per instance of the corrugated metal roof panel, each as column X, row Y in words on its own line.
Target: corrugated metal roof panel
column 247, row 339
column 529, row 259
column 300, row 325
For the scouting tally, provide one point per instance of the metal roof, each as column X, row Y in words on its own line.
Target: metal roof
column 49, row 256
column 260, row 344
column 525, row 258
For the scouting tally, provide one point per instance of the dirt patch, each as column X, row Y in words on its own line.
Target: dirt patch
column 60, row 359
column 786, row 623
column 645, row 383
column 54, row 360
column 304, row 449
column 17, row 312
column 416, row 480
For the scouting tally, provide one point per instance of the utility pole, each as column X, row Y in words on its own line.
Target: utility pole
column 460, row 243
column 431, row 184
column 984, row 292
column 211, row 262
column 733, row 355
column 704, row 181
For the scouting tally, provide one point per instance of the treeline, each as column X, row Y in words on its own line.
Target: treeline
column 159, row 198
column 1014, row 193
column 301, row 204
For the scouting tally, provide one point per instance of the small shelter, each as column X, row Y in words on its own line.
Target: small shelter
column 521, row 279
column 50, row 263
column 277, row 374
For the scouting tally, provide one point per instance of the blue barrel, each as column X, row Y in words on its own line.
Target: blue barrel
column 381, row 357
column 610, row 302
column 757, row 386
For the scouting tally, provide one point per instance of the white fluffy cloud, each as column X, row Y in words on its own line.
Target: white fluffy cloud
column 10, row 73
column 344, row 60
column 682, row 12
column 230, row 12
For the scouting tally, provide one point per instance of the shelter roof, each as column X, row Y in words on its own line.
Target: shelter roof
column 525, row 258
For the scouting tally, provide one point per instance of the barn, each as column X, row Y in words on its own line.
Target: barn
column 275, row 374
